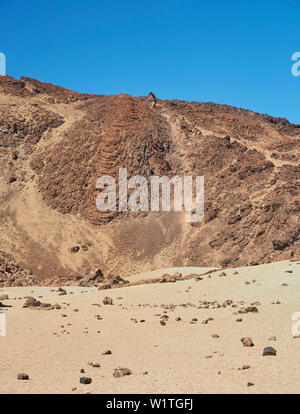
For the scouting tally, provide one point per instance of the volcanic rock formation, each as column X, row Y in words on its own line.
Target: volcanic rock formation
column 56, row 143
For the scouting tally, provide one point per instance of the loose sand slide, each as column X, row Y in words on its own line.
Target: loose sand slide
column 182, row 337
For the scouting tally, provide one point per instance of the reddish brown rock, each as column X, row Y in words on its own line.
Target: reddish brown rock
column 247, row 341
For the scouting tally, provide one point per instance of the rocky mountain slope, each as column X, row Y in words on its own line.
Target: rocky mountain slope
column 55, row 143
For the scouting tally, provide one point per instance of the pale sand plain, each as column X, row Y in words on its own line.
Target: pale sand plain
column 180, row 357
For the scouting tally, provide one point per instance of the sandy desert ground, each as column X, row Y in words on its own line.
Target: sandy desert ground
column 192, row 355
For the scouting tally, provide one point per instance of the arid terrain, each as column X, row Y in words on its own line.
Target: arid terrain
column 180, row 337
column 55, row 144
column 177, row 307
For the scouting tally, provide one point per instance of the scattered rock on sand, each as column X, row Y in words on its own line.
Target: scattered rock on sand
column 251, row 309
column 31, row 303
column 247, row 341
column 121, row 372
column 23, row 376
column 46, row 306
column 85, row 380
column 107, row 301
column 269, row 351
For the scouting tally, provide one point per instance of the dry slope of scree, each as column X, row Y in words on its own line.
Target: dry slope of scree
column 55, row 143
column 11, row 274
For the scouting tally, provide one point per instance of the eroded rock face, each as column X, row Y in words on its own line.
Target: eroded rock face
column 60, row 142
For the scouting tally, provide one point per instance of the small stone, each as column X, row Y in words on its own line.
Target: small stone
column 269, row 351
column 85, row 380
column 215, row 336
column 96, row 365
column 62, row 291
column 247, row 341
column 245, row 366
column 31, row 303
column 108, row 352
column 250, row 384
column 251, row 309
column 23, row 377
column 163, row 323
column 107, row 301
column 46, row 306
column 121, row 372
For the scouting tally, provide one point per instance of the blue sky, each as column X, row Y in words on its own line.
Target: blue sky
column 236, row 52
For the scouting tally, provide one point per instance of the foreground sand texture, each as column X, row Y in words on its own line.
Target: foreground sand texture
column 180, row 357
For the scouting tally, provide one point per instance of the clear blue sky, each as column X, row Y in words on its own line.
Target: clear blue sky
column 236, row 52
